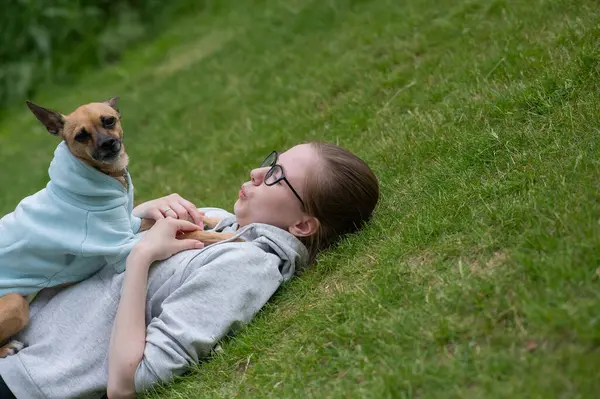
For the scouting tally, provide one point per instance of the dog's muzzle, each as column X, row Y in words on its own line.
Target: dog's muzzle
column 108, row 149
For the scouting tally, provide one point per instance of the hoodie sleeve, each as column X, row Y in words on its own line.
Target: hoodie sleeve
column 136, row 223
column 109, row 234
column 211, row 302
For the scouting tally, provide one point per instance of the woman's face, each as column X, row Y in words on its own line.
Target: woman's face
column 277, row 204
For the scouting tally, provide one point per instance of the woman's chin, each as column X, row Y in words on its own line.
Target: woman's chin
column 237, row 206
column 240, row 215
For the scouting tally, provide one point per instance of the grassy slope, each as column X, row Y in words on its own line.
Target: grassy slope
column 478, row 276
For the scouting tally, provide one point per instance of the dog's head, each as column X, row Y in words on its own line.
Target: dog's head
column 92, row 132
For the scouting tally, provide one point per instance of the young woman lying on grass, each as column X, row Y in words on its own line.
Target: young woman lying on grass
column 122, row 333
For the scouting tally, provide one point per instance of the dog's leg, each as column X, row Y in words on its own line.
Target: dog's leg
column 11, row 348
column 14, row 315
column 209, row 237
column 211, row 223
column 146, row 224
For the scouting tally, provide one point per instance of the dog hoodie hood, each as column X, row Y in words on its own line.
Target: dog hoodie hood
column 83, row 186
column 78, row 224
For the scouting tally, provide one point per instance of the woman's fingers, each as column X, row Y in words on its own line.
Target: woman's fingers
column 184, row 225
column 171, row 206
column 192, row 210
column 154, row 214
column 182, row 245
column 178, row 211
column 184, row 209
column 161, row 241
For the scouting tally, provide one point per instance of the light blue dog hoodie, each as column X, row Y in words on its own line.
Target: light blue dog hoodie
column 66, row 232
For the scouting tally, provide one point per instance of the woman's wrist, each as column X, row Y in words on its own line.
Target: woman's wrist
column 140, row 255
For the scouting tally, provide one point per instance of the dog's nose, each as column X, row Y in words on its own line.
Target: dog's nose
column 111, row 144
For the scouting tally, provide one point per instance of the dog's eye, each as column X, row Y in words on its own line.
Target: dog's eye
column 82, row 136
column 109, row 122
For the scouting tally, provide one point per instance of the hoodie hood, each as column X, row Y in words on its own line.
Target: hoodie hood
column 290, row 249
column 84, row 186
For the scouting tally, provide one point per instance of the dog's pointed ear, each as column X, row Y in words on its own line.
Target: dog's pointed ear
column 113, row 104
column 52, row 120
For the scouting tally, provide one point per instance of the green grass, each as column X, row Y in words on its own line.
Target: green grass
column 479, row 275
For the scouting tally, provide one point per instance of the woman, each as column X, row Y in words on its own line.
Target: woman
column 122, row 333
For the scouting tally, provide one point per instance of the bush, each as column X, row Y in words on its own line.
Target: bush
column 55, row 40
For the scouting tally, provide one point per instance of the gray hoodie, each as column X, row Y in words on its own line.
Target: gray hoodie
column 194, row 299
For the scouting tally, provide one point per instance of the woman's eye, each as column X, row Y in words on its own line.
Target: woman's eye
column 82, row 136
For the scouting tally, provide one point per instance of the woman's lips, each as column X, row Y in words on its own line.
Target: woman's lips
column 242, row 193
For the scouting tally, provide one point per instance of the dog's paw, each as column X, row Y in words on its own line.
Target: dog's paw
column 11, row 348
column 15, row 346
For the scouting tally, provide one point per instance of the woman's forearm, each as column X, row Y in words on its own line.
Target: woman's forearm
column 128, row 337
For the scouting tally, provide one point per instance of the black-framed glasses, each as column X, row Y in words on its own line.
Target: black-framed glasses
column 276, row 174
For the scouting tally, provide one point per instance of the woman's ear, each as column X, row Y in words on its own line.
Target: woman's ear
column 308, row 226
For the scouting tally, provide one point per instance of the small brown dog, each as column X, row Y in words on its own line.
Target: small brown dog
column 92, row 135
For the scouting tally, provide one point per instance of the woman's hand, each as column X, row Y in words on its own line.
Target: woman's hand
column 173, row 206
column 161, row 242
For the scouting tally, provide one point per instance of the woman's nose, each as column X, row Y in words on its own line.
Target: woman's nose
column 257, row 176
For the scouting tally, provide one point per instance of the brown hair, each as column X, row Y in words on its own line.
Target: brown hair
column 341, row 193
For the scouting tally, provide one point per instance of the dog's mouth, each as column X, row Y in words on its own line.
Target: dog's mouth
column 109, row 158
column 106, row 156
column 107, row 149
